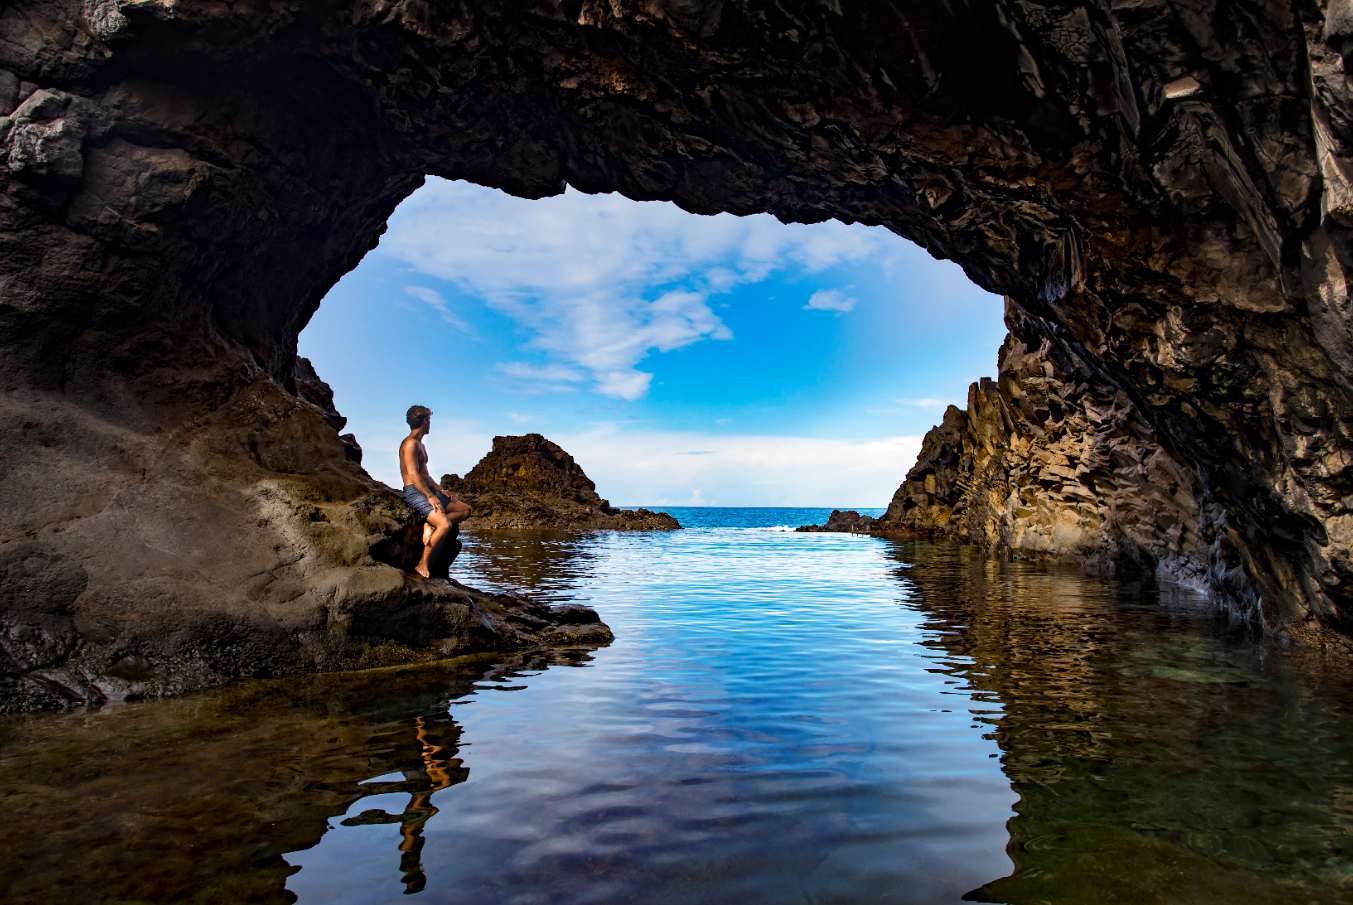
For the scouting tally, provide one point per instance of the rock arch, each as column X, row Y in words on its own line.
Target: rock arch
column 1160, row 189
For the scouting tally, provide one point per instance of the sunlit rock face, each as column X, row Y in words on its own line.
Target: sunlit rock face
column 1052, row 459
column 1162, row 188
column 532, row 482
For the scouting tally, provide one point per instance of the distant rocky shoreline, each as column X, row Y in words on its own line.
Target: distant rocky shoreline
column 848, row 521
column 532, row 482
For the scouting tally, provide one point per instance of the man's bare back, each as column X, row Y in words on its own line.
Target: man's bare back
column 421, row 493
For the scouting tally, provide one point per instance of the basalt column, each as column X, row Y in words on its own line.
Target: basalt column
column 1163, row 186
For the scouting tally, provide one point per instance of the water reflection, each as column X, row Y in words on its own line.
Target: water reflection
column 1159, row 755
column 199, row 799
column 548, row 565
column 783, row 718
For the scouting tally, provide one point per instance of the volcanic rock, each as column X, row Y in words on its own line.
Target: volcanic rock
column 1051, row 459
column 1163, row 190
column 531, row 482
column 846, row 522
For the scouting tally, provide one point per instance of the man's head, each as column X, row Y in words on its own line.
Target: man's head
column 419, row 416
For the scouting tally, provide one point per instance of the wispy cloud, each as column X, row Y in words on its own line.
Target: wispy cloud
column 434, row 298
column 526, row 418
column 830, row 300
column 929, row 402
column 600, row 282
column 524, row 378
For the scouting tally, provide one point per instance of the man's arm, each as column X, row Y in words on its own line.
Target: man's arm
column 417, row 472
column 434, row 489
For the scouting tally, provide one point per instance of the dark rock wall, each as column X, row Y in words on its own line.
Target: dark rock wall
column 1054, row 459
column 1162, row 186
column 532, row 482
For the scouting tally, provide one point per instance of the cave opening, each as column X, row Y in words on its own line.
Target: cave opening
column 684, row 358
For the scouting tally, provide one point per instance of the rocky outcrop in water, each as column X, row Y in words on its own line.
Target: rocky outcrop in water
column 1164, row 189
column 1053, row 459
column 846, row 522
column 531, row 482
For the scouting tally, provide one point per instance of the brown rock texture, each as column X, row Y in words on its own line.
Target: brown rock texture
column 846, row 522
column 1162, row 187
column 1050, row 459
column 531, row 482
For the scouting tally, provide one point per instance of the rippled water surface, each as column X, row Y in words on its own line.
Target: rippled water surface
column 782, row 718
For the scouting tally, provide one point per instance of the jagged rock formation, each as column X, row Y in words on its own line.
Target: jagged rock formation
column 842, row 522
column 531, row 482
column 1163, row 187
column 311, row 388
column 1052, row 459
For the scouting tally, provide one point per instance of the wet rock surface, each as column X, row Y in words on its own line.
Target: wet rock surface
column 1162, row 190
column 842, row 522
column 531, row 482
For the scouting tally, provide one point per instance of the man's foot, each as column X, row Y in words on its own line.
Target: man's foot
column 423, row 571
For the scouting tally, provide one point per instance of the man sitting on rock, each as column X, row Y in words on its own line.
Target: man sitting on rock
column 424, row 495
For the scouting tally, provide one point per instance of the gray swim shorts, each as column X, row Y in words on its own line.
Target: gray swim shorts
column 418, row 501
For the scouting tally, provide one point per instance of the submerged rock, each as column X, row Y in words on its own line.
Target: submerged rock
column 844, row 522
column 531, row 482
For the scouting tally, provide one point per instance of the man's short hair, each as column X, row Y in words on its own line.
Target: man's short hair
column 417, row 416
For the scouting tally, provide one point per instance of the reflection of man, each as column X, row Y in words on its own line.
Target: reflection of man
column 426, row 497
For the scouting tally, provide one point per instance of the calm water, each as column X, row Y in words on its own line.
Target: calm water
column 783, row 718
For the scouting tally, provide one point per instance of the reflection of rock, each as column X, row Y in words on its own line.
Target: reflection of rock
column 1154, row 761
column 1054, row 459
column 844, row 522
column 241, row 777
column 530, row 482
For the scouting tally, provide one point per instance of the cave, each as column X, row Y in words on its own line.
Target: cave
column 1159, row 190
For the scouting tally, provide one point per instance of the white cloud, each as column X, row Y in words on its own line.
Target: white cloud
column 434, row 298
column 551, row 373
column 930, row 402
column 646, row 467
column 830, row 300
column 600, row 281
column 639, row 466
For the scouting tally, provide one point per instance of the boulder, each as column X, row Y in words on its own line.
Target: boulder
column 847, row 522
column 531, row 482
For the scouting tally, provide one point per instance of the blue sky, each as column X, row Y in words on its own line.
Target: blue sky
column 681, row 359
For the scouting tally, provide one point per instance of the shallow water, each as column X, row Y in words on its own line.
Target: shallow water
column 782, row 718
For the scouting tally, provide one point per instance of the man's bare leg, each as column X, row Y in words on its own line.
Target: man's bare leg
column 440, row 528
column 457, row 512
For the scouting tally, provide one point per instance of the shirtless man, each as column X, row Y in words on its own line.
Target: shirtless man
column 425, row 496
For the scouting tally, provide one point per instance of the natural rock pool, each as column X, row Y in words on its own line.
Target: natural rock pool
column 782, row 718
